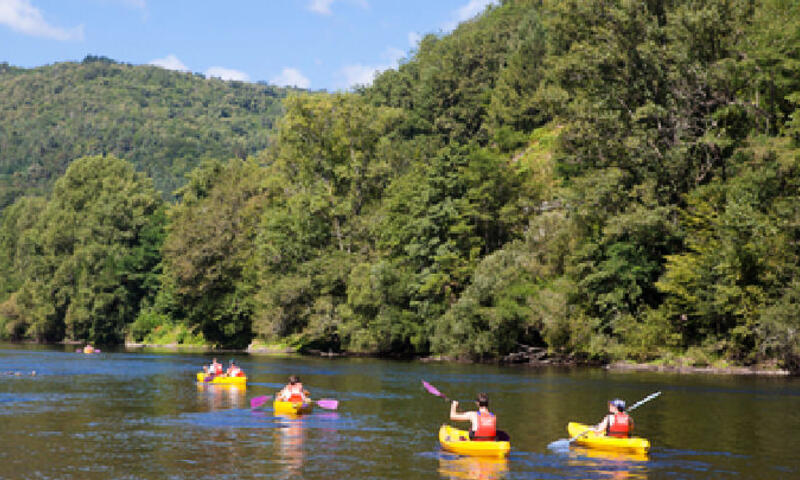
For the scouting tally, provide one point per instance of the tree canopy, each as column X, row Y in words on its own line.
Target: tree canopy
column 602, row 179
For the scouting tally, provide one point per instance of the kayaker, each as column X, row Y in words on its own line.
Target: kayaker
column 293, row 392
column 617, row 423
column 234, row 370
column 484, row 423
column 215, row 368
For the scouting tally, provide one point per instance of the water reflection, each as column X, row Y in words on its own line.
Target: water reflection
column 472, row 468
column 221, row 396
column 609, row 464
column 289, row 438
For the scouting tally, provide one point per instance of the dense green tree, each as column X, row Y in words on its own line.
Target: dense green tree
column 209, row 243
column 331, row 164
column 89, row 254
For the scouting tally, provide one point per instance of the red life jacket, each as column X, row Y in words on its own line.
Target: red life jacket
column 487, row 427
column 295, row 392
column 619, row 425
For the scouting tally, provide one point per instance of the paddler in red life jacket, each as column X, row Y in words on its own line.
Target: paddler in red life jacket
column 215, row 368
column 234, row 370
column 293, row 392
column 617, row 423
column 484, row 423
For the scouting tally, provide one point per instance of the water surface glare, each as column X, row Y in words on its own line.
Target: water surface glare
column 141, row 415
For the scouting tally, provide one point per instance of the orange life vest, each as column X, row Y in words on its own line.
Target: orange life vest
column 619, row 425
column 487, row 427
column 295, row 392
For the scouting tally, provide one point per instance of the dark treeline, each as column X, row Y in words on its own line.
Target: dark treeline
column 606, row 179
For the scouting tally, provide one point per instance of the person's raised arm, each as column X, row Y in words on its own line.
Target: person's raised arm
column 454, row 415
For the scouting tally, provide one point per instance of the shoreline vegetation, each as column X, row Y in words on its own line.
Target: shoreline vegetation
column 612, row 181
column 527, row 356
column 530, row 357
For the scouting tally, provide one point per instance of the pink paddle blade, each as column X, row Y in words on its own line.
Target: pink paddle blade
column 256, row 402
column 432, row 390
column 328, row 404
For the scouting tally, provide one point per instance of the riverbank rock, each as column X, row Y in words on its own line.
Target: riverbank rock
column 528, row 354
column 644, row 367
column 270, row 349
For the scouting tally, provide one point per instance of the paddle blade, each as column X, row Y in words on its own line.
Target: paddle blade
column 208, row 378
column 432, row 390
column 256, row 402
column 559, row 445
column 328, row 404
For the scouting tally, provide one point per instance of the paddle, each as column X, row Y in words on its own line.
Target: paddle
column 433, row 391
column 326, row 403
column 256, row 402
column 501, row 435
column 565, row 443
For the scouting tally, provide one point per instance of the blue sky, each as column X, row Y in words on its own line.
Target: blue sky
column 316, row 44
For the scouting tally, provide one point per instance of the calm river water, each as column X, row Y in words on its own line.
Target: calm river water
column 142, row 415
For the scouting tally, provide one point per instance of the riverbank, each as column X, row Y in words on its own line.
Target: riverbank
column 764, row 370
column 526, row 357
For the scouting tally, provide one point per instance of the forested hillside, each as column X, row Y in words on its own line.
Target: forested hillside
column 164, row 122
column 605, row 179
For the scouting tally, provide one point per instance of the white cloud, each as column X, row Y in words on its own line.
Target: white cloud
column 140, row 4
column 467, row 12
column 23, row 17
column 227, row 74
column 170, row 62
column 136, row 3
column 291, row 77
column 414, row 39
column 394, row 55
column 323, row 7
column 360, row 74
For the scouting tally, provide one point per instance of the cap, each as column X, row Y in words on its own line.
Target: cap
column 620, row 404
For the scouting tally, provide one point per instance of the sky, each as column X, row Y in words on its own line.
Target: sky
column 315, row 44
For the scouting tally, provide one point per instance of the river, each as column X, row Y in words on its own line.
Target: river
column 141, row 415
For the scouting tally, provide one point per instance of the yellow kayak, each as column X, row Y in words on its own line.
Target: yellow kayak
column 636, row 445
column 292, row 408
column 457, row 441
column 201, row 377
